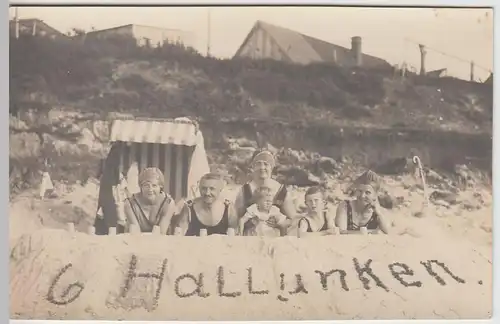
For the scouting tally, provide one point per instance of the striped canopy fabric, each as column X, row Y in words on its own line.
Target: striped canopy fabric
column 177, row 132
column 173, row 160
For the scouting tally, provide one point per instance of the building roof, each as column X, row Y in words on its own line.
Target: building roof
column 41, row 25
column 437, row 73
column 490, row 79
column 305, row 49
column 166, row 131
column 131, row 25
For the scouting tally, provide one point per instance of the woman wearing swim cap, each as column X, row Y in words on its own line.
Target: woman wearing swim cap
column 262, row 165
column 151, row 206
column 365, row 210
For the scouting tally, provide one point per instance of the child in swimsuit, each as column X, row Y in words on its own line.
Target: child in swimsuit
column 254, row 222
column 319, row 218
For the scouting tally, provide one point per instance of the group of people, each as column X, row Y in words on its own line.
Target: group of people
column 263, row 207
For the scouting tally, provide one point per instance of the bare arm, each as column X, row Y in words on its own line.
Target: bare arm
column 184, row 219
column 120, row 200
column 330, row 221
column 302, row 228
column 120, row 213
column 129, row 214
column 239, row 205
column 167, row 215
column 341, row 217
column 383, row 222
column 288, row 207
column 282, row 220
column 285, row 223
column 241, row 223
column 232, row 217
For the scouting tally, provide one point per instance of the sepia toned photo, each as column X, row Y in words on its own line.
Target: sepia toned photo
column 250, row 163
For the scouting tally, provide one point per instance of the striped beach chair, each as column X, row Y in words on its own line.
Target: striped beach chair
column 175, row 146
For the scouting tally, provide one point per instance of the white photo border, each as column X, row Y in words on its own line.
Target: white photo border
column 4, row 292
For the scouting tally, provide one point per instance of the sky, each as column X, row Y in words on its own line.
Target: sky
column 388, row 33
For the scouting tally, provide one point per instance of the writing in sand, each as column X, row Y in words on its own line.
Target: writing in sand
column 196, row 285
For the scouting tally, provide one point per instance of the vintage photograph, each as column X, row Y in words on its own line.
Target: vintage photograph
column 250, row 163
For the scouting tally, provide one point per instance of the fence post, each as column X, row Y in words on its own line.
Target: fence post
column 16, row 19
column 472, row 70
column 341, row 146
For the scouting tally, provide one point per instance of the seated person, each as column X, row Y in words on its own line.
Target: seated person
column 150, row 207
column 365, row 210
column 256, row 220
column 262, row 165
column 319, row 220
column 209, row 211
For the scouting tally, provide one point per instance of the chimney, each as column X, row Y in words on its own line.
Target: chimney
column 423, row 53
column 356, row 50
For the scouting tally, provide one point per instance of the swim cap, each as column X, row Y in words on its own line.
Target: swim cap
column 152, row 174
column 265, row 156
column 368, row 178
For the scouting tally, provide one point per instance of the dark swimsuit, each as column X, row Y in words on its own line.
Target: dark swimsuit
column 309, row 229
column 371, row 225
column 248, row 200
column 144, row 223
column 195, row 225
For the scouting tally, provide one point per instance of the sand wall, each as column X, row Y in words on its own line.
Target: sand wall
column 60, row 275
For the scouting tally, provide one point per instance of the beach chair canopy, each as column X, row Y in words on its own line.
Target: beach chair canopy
column 175, row 146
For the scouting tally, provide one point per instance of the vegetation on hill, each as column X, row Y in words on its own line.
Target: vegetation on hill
column 302, row 105
column 116, row 75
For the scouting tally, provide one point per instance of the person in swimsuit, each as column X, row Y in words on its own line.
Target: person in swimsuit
column 209, row 211
column 262, row 165
column 150, row 207
column 365, row 210
column 319, row 219
column 259, row 213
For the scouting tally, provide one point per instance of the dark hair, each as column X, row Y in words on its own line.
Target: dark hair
column 314, row 190
column 368, row 178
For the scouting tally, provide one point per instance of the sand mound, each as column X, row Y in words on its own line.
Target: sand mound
column 23, row 219
column 60, row 275
column 73, row 203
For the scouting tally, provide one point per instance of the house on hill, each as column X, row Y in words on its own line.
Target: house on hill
column 273, row 42
column 34, row 27
column 146, row 35
column 490, row 79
